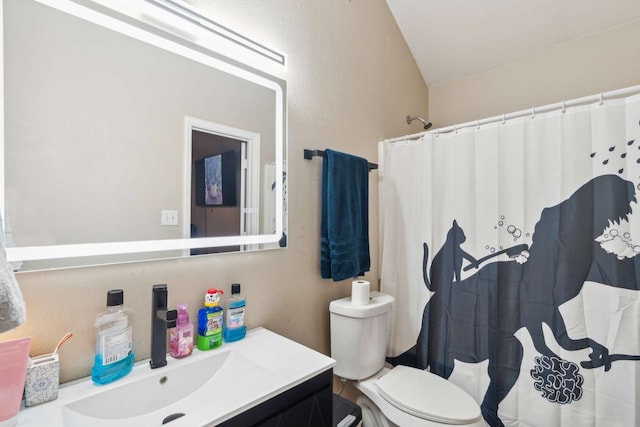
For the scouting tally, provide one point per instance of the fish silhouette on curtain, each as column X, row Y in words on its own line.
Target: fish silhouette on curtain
column 476, row 319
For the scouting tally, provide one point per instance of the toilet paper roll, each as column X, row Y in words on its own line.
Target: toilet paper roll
column 360, row 292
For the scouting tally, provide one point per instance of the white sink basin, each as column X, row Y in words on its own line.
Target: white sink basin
column 205, row 388
column 166, row 393
column 148, row 394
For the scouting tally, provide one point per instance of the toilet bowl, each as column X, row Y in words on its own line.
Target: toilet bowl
column 399, row 396
column 415, row 398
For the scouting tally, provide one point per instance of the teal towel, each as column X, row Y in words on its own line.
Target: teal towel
column 344, row 224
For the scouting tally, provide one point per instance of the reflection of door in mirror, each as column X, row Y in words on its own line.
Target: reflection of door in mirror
column 224, row 184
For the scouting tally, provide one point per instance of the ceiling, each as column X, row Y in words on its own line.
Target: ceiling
column 451, row 39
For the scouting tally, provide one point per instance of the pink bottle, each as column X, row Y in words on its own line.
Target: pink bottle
column 181, row 337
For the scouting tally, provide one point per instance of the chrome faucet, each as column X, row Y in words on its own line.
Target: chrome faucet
column 161, row 319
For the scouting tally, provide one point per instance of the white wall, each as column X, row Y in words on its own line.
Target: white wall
column 351, row 81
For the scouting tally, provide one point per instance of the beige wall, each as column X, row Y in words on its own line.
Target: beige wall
column 606, row 61
column 351, row 81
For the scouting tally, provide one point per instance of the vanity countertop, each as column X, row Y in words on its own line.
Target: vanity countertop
column 276, row 365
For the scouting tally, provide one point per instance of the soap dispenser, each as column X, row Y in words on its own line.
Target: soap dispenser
column 181, row 337
column 210, row 321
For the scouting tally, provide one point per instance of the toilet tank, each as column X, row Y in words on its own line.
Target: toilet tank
column 359, row 335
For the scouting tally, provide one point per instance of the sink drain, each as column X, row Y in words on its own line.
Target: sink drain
column 172, row 417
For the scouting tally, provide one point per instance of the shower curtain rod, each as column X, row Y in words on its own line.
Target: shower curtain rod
column 603, row 96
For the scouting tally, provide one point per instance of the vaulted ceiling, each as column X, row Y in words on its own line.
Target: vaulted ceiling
column 452, row 39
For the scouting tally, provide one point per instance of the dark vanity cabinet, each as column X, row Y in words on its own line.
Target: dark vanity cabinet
column 309, row 404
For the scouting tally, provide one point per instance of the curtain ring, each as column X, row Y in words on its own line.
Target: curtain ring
column 478, row 124
column 533, row 113
column 455, row 128
column 438, row 133
column 564, row 108
column 504, row 118
column 601, row 99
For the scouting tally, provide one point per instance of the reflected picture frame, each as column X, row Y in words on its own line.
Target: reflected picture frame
column 215, row 180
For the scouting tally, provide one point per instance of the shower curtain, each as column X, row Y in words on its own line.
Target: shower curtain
column 511, row 249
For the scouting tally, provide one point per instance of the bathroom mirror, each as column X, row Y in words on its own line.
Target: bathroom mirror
column 105, row 116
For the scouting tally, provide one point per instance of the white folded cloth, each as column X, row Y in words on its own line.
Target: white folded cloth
column 12, row 308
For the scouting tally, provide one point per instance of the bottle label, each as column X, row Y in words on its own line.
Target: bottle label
column 235, row 318
column 180, row 334
column 180, row 342
column 116, row 345
column 214, row 324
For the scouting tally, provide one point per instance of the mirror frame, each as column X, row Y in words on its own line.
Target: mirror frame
column 140, row 30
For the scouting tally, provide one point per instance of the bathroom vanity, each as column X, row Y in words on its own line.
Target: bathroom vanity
column 264, row 379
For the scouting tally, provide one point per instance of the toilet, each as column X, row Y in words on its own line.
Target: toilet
column 398, row 396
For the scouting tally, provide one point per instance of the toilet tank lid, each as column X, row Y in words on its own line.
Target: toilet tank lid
column 379, row 303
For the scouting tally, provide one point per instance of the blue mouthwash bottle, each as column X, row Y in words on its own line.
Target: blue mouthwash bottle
column 114, row 348
column 210, row 320
column 234, row 327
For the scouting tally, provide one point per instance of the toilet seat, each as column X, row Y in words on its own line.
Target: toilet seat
column 427, row 396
